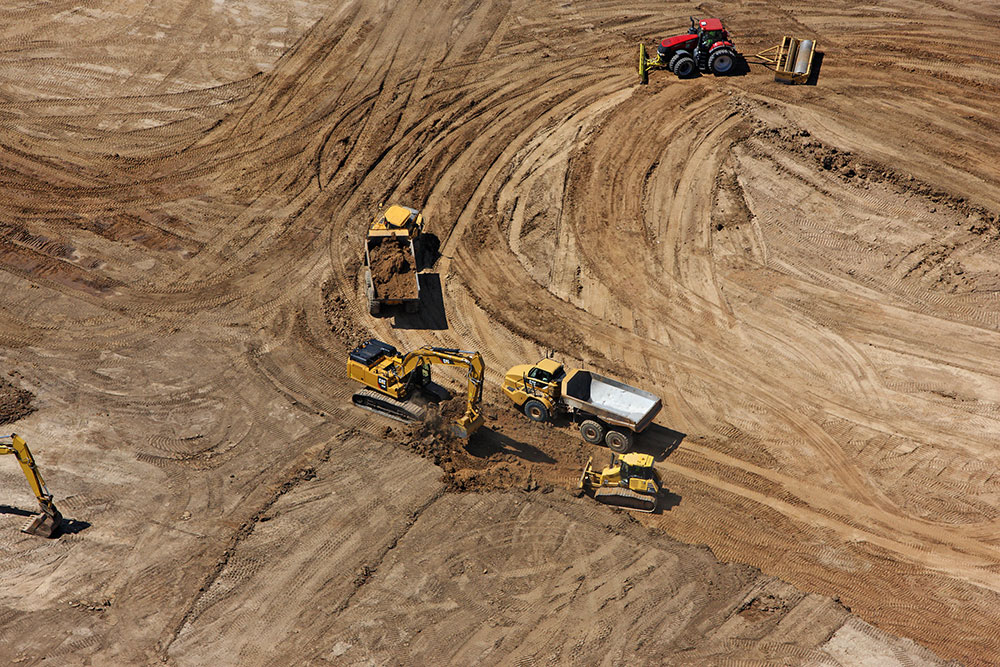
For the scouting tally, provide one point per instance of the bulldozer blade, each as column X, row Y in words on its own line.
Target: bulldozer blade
column 465, row 427
column 44, row 525
column 585, row 475
column 643, row 73
column 626, row 499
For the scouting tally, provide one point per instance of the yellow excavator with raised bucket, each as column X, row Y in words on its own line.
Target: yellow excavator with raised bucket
column 629, row 481
column 399, row 385
column 48, row 522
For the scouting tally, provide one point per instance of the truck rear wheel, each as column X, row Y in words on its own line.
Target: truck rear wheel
column 592, row 431
column 617, row 441
column 535, row 410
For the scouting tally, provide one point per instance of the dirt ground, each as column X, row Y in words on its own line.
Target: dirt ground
column 394, row 270
column 807, row 275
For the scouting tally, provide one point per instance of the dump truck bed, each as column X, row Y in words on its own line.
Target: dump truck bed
column 391, row 271
column 613, row 401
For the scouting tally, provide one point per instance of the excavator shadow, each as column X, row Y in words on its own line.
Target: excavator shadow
column 17, row 511
column 66, row 527
column 485, row 442
column 431, row 314
column 659, row 441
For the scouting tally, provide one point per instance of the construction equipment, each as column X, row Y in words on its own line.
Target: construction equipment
column 48, row 522
column 606, row 410
column 390, row 253
column 629, row 481
column 792, row 59
column 706, row 47
column 397, row 383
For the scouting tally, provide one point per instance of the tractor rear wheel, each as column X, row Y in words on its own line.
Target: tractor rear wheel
column 682, row 64
column 721, row 60
column 591, row 431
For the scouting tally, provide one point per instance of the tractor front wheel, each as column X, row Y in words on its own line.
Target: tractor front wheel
column 682, row 64
column 721, row 61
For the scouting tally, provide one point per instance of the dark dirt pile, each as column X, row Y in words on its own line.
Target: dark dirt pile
column 393, row 269
column 507, row 452
column 15, row 403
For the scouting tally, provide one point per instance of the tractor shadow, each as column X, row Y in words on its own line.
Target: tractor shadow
column 666, row 501
column 659, row 441
column 486, row 442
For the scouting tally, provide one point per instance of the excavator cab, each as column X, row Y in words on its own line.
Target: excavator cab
column 47, row 523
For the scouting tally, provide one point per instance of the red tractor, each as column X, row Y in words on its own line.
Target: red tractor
column 705, row 47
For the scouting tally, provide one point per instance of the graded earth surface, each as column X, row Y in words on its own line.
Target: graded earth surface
column 806, row 275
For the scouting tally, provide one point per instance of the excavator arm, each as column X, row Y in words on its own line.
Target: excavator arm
column 473, row 361
column 47, row 523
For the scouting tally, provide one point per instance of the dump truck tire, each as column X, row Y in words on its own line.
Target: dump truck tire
column 535, row 411
column 617, row 441
column 591, row 431
column 682, row 64
column 721, row 61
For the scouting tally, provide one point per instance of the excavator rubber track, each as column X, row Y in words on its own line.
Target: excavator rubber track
column 626, row 498
column 403, row 411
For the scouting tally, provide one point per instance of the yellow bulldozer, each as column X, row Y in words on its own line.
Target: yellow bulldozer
column 48, row 522
column 399, row 385
column 629, row 481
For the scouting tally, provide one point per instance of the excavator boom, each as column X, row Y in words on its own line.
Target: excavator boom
column 48, row 522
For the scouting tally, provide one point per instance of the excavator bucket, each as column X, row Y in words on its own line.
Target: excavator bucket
column 465, row 426
column 46, row 524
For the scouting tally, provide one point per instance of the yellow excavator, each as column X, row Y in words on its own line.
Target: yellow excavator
column 630, row 481
column 48, row 522
column 395, row 382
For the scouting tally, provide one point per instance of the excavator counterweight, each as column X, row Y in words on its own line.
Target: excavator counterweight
column 47, row 523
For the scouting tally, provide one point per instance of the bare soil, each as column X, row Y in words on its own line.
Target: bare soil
column 393, row 269
column 807, row 275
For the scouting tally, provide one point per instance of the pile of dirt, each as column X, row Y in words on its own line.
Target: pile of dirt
column 507, row 452
column 393, row 269
column 15, row 403
column 337, row 310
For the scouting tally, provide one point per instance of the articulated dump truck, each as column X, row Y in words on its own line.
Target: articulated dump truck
column 606, row 410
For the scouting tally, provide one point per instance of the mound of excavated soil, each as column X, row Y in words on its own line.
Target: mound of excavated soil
column 15, row 403
column 393, row 270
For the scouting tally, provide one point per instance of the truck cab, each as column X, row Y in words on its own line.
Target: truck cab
column 541, row 381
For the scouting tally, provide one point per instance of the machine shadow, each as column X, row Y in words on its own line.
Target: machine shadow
column 659, row 441
column 73, row 526
column 16, row 511
column 485, row 442
column 817, row 65
column 666, row 501
column 431, row 314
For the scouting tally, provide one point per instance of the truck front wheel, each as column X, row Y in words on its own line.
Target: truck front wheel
column 535, row 411
column 592, row 431
column 618, row 441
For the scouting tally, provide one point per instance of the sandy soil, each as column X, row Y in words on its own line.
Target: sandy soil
column 806, row 274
